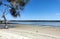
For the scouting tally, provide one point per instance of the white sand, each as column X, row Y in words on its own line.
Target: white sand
column 30, row 32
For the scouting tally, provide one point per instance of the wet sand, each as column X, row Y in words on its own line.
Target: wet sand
column 17, row 31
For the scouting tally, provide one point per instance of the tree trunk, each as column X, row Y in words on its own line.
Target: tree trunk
column 6, row 24
column 5, row 21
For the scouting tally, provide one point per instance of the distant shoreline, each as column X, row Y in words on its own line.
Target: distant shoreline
column 35, row 20
column 32, row 20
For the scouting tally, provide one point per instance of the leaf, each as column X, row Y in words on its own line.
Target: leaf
column 9, row 0
column 22, row 3
column 14, row 12
column 16, row 7
column 0, row 3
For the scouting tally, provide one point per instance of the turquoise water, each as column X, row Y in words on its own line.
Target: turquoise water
column 40, row 23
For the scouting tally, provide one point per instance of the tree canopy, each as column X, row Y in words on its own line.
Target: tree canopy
column 15, row 6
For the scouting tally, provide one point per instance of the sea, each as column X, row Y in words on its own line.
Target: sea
column 39, row 23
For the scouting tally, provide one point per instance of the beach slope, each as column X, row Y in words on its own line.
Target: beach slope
column 30, row 32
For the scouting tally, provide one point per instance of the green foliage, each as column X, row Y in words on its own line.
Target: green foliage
column 16, row 6
column 0, row 3
column 14, row 12
column 0, row 22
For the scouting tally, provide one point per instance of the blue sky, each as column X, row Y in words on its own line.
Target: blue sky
column 38, row 10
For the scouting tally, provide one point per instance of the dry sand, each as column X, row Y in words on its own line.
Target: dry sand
column 17, row 31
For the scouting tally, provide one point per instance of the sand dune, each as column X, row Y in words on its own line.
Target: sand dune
column 30, row 32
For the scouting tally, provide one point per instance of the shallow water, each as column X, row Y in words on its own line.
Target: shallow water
column 40, row 23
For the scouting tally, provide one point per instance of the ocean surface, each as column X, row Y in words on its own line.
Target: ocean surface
column 40, row 23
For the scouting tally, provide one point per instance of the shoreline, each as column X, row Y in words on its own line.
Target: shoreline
column 33, row 24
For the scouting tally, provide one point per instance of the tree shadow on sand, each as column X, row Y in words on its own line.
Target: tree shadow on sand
column 9, row 26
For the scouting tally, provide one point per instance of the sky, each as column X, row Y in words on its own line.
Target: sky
column 38, row 10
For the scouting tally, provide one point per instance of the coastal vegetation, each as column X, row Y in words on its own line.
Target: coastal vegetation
column 14, row 7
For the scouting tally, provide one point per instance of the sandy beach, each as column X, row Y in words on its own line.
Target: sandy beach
column 17, row 31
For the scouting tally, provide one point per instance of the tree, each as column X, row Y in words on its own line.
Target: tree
column 14, row 7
